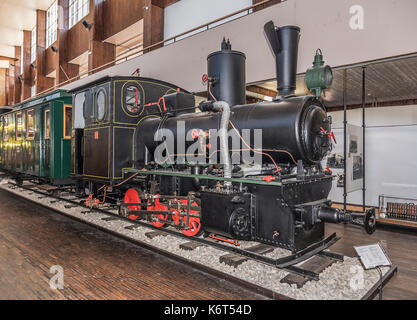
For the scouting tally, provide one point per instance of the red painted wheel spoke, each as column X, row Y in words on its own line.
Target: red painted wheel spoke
column 132, row 196
column 157, row 219
column 194, row 225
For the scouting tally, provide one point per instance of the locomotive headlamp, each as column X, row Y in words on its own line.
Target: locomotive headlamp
column 320, row 76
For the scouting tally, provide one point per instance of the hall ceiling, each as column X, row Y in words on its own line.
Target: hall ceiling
column 16, row 16
column 394, row 81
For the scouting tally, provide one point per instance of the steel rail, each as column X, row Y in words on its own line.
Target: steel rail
column 286, row 263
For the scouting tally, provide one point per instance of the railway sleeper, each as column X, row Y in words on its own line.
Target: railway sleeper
column 313, row 266
column 235, row 260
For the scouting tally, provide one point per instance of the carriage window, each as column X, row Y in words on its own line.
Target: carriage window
column 30, row 125
column 101, row 105
column 5, row 129
column 47, row 124
column 1, row 125
column 19, row 126
column 133, row 99
column 67, row 121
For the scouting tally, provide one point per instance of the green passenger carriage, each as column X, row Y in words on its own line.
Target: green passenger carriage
column 35, row 139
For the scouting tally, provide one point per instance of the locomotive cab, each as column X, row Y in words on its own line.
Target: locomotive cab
column 106, row 115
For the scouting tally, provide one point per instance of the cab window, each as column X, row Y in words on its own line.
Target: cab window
column 100, row 105
column 133, row 99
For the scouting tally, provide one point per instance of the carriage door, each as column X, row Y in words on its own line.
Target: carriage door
column 45, row 141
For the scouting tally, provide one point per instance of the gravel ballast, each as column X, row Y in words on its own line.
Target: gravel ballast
column 340, row 281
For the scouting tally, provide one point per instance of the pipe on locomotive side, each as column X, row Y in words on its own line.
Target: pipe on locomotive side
column 224, row 108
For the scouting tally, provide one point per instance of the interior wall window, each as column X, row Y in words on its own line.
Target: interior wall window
column 19, row 126
column 67, row 121
column 33, row 46
column 101, row 104
column 78, row 9
column 30, row 125
column 33, row 91
column 133, row 99
column 47, row 124
column 51, row 24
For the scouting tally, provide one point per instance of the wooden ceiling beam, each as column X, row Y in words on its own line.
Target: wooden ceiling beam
column 262, row 91
column 406, row 102
column 11, row 60
column 163, row 3
column 266, row 5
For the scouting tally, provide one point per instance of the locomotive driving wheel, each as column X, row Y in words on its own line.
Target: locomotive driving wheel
column 131, row 196
column 193, row 228
column 157, row 220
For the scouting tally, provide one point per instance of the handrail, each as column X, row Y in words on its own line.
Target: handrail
column 56, row 86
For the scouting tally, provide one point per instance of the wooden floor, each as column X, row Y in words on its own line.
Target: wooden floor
column 99, row 266
column 96, row 265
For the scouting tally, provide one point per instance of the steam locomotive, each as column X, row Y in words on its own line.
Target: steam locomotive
column 230, row 170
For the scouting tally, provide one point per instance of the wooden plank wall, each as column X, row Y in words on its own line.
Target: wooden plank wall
column 64, row 69
column 17, row 69
column 11, row 81
column 107, row 19
column 128, row 13
column 27, row 71
column 153, row 26
column 3, row 86
column 42, row 82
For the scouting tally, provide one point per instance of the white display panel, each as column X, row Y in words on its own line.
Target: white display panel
column 354, row 160
column 188, row 14
column 390, row 159
column 373, row 256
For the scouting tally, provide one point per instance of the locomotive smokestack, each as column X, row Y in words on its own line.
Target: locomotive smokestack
column 284, row 44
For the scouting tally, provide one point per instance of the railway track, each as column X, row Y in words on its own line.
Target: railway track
column 299, row 269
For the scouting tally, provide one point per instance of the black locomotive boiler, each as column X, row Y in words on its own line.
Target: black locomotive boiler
column 280, row 200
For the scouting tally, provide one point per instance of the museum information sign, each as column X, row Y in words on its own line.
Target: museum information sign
column 373, row 256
